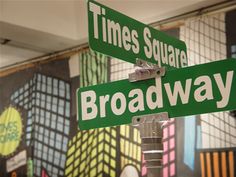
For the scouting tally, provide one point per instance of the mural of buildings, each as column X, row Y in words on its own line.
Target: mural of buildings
column 103, row 152
column 233, row 51
column 230, row 35
column 92, row 153
column 47, row 101
column 218, row 162
column 169, row 146
column 129, row 147
column 206, row 41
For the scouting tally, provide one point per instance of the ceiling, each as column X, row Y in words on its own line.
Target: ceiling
column 31, row 28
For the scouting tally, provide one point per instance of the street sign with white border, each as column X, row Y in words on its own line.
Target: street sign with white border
column 115, row 34
column 187, row 91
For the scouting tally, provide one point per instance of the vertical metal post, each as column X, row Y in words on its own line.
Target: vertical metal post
column 150, row 125
column 151, row 140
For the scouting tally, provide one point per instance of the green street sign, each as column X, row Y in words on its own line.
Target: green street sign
column 122, row 37
column 187, row 91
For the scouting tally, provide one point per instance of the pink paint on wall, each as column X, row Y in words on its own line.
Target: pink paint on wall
column 169, row 168
column 172, row 155
column 165, row 172
column 172, row 143
column 44, row 173
column 165, row 133
column 165, row 146
column 172, row 169
column 144, row 169
column 172, row 130
column 165, row 159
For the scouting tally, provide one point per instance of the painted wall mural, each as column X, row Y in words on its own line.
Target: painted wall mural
column 47, row 101
column 218, row 162
column 44, row 97
column 41, row 101
column 169, row 144
column 10, row 131
column 105, row 151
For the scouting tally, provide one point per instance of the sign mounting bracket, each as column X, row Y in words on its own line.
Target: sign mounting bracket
column 146, row 71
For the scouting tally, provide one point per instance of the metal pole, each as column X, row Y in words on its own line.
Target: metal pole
column 151, row 140
column 150, row 125
column 154, row 172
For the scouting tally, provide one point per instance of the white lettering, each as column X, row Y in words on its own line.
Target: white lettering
column 136, row 104
column 103, row 100
column 104, row 29
column 135, row 47
column 164, row 53
column 224, row 89
column 206, row 87
column 87, row 104
column 178, row 90
column 96, row 11
column 148, row 48
column 171, row 55
column 183, row 59
column 156, row 51
column 126, row 38
column 118, row 96
column 114, row 33
column 157, row 90
column 177, row 57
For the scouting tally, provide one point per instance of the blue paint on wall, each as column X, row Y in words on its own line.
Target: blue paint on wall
column 189, row 141
column 199, row 137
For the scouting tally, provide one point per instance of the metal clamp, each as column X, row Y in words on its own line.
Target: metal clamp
column 146, row 71
column 151, row 137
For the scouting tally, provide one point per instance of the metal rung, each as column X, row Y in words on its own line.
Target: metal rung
column 152, row 140
column 148, row 156
column 149, row 146
column 154, row 164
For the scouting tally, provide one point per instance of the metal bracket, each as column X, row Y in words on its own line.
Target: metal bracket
column 151, row 137
column 146, row 71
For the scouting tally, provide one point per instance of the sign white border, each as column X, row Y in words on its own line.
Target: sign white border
column 16, row 161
